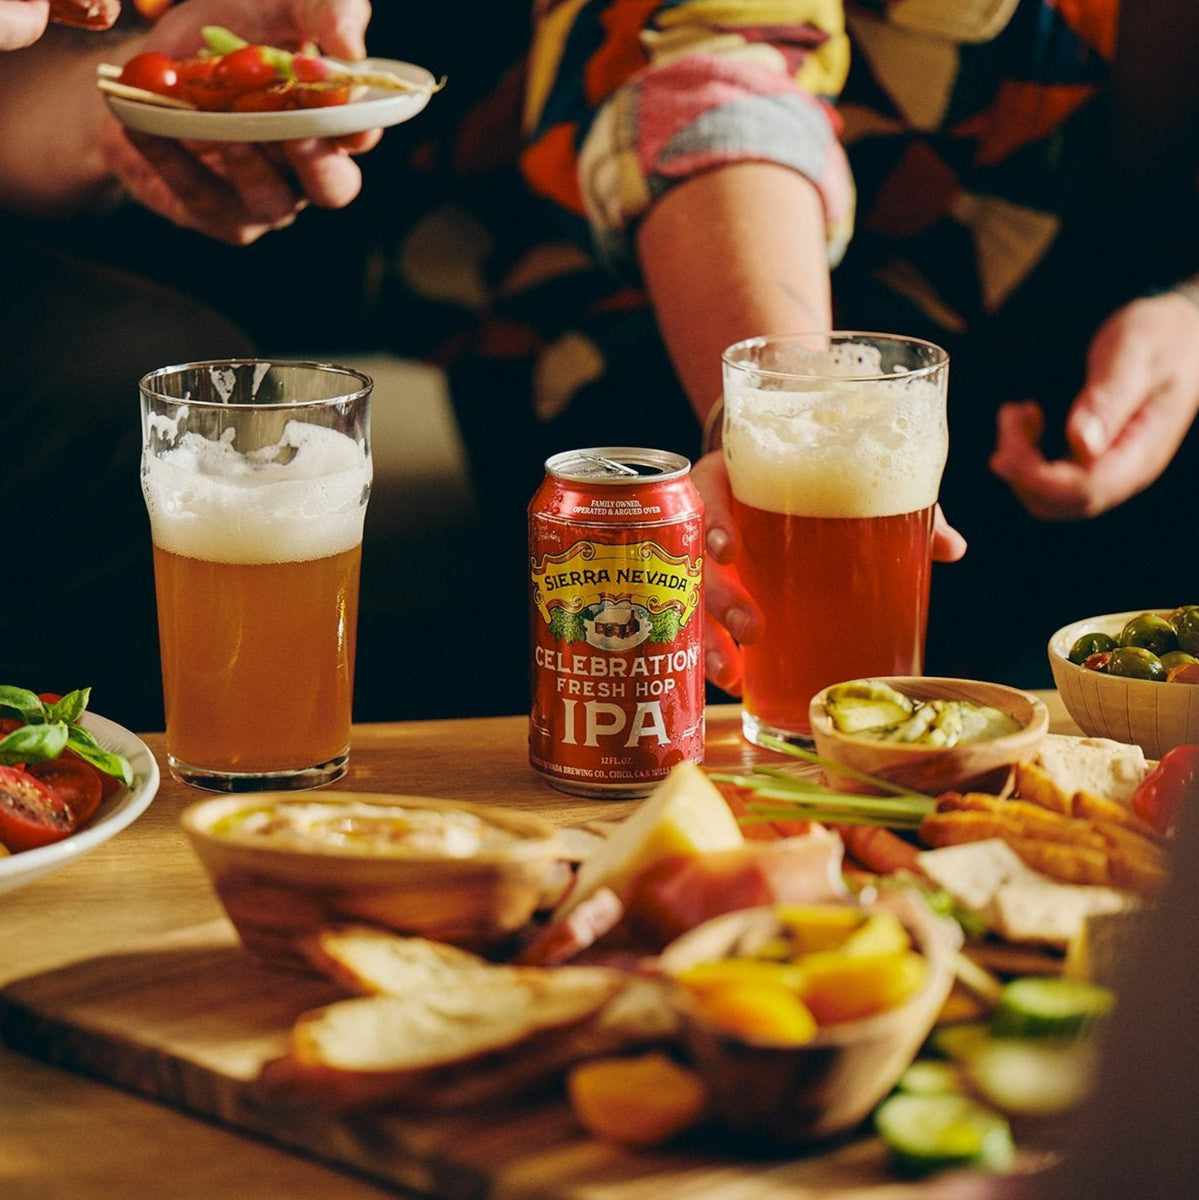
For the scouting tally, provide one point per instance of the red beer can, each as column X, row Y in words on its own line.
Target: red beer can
column 616, row 611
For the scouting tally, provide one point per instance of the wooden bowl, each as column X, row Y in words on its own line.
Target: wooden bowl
column 278, row 888
column 793, row 1095
column 1148, row 713
column 929, row 769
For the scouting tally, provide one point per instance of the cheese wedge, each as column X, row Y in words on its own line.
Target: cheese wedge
column 685, row 814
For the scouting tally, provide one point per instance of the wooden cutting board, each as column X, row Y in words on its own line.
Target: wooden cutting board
column 188, row 1020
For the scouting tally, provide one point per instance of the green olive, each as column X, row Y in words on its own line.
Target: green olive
column 1176, row 658
column 1188, row 631
column 1135, row 662
column 1177, row 614
column 1150, row 632
column 1090, row 643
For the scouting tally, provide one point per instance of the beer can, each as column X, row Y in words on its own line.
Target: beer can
column 616, row 614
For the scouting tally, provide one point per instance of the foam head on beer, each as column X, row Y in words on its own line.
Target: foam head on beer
column 297, row 499
column 855, row 443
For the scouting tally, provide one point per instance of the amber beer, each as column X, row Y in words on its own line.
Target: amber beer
column 256, row 500
column 835, row 462
column 855, row 603
column 254, row 682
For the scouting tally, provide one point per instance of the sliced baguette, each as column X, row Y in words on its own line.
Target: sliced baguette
column 395, row 1049
column 368, row 960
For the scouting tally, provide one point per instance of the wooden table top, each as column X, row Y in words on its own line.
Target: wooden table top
column 63, row 1135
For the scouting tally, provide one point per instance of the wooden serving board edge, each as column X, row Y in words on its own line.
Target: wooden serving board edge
column 357, row 1143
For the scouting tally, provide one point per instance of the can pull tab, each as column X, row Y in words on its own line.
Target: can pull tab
column 613, row 467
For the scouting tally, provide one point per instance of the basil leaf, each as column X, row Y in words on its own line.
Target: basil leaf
column 34, row 743
column 25, row 704
column 70, row 708
column 90, row 750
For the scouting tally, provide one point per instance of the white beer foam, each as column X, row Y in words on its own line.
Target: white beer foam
column 843, row 451
column 300, row 499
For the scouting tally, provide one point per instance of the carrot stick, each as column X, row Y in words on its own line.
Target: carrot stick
column 878, row 849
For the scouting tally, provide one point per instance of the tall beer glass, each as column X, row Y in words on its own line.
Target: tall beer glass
column 256, row 476
column 835, row 444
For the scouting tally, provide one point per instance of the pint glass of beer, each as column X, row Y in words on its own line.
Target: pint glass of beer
column 256, row 476
column 835, row 444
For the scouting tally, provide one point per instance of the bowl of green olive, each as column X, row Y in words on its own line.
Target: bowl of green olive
column 1132, row 676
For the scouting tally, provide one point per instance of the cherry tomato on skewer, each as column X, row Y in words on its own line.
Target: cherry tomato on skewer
column 326, row 95
column 153, row 71
column 247, row 69
column 198, row 84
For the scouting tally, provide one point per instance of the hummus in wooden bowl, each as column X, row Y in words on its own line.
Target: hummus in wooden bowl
column 285, row 865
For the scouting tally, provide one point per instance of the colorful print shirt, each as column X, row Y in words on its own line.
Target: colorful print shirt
column 947, row 138
column 970, row 114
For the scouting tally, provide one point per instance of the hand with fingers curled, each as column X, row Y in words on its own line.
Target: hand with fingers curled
column 1137, row 402
column 231, row 191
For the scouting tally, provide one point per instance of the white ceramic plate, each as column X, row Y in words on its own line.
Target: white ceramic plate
column 377, row 109
column 118, row 811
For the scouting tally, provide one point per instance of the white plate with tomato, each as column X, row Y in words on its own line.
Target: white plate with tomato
column 376, row 109
column 120, row 804
column 236, row 91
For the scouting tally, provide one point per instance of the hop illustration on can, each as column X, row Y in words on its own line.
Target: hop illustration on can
column 616, row 612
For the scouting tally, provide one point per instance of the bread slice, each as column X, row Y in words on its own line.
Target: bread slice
column 1019, row 903
column 480, row 1012
column 395, row 1049
column 369, row 960
column 436, row 1025
column 1102, row 767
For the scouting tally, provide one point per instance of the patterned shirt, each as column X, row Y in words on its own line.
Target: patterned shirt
column 947, row 138
column 966, row 121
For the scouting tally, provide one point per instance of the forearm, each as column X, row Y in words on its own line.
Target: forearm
column 732, row 253
column 50, row 119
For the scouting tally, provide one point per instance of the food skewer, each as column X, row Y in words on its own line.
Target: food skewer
column 108, row 80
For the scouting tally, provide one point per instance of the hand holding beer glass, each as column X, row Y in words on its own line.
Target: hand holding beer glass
column 256, row 476
column 835, row 444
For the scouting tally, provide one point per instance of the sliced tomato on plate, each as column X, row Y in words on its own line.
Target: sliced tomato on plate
column 31, row 813
column 77, row 782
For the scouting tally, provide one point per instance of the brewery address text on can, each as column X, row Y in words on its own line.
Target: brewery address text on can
column 616, row 607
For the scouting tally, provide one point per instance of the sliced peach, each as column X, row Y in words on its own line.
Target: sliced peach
column 881, row 933
column 640, row 1101
column 843, row 987
column 706, row 976
column 758, row 1011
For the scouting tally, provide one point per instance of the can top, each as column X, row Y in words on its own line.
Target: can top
column 617, row 464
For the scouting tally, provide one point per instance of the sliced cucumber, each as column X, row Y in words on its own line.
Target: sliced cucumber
column 1032, row 1077
column 853, row 716
column 930, row 1077
column 1049, row 1006
column 931, row 1133
column 961, row 1042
